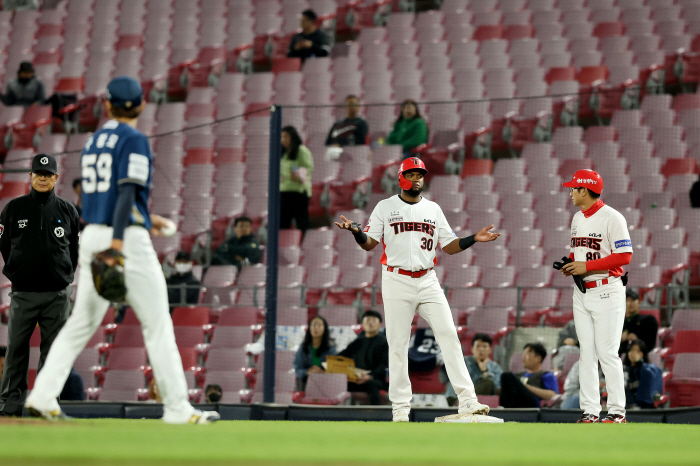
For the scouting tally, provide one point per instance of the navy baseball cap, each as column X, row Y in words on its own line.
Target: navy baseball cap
column 124, row 91
column 44, row 163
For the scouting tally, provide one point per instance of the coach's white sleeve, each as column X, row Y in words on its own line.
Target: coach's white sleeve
column 375, row 224
column 445, row 234
column 619, row 235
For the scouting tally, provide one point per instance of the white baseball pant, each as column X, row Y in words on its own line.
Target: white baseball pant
column 147, row 294
column 402, row 296
column 599, row 315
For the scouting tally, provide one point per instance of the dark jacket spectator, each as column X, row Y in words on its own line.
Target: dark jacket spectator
column 370, row 351
column 26, row 89
column 637, row 325
column 410, row 130
column 695, row 194
column 644, row 380
column 183, row 286
column 311, row 41
column 313, row 351
column 240, row 249
column 74, row 389
column 353, row 130
column 526, row 389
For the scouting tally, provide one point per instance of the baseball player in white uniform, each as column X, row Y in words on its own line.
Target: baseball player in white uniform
column 600, row 245
column 117, row 170
column 409, row 229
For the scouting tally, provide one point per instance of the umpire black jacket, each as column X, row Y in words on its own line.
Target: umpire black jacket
column 39, row 242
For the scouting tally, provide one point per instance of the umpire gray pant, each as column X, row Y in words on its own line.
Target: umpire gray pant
column 27, row 309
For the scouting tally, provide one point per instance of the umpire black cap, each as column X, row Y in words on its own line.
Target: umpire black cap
column 44, row 163
column 632, row 294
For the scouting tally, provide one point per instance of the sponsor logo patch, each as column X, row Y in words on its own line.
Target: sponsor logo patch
column 623, row 243
column 22, row 223
column 2, row 229
column 58, row 231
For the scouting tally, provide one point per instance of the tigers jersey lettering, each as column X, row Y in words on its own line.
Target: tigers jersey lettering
column 410, row 233
column 603, row 233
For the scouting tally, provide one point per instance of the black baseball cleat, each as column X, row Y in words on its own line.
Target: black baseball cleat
column 614, row 419
column 587, row 419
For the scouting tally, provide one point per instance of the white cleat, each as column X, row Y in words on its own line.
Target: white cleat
column 204, row 417
column 401, row 415
column 474, row 407
column 48, row 414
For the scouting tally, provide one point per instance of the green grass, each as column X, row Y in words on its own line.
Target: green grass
column 135, row 442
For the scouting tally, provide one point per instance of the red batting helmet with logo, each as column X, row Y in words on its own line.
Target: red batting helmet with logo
column 586, row 179
column 412, row 163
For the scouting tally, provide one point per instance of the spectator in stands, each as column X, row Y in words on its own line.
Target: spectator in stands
column 484, row 371
column 183, row 286
column 26, row 89
column 311, row 41
column 74, row 389
column 352, row 131
column 637, row 325
column 630, row 98
column 569, row 111
column 566, row 344
column 19, row 5
column 482, row 144
column 313, row 351
column 543, row 130
column 526, row 389
column 644, row 380
column 655, row 82
column 410, row 130
column 242, row 248
column 296, row 167
column 572, row 389
column 212, row 393
column 370, row 351
column 695, row 194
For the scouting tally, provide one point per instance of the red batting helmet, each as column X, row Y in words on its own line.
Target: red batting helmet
column 586, row 179
column 412, row 163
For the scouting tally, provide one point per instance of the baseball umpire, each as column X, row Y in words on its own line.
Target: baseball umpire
column 39, row 243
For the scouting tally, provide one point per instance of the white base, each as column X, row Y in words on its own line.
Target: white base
column 469, row 419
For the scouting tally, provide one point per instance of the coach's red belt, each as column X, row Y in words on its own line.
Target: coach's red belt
column 408, row 273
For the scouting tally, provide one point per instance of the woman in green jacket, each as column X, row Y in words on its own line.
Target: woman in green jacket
column 410, row 130
column 296, row 167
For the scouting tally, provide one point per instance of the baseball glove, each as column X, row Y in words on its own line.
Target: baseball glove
column 577, row 278
column 108, row 275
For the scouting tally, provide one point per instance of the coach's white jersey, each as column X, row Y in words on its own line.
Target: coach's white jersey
column 408, row 232
column 599, row 235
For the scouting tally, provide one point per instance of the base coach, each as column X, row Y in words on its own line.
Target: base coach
column 39, row 243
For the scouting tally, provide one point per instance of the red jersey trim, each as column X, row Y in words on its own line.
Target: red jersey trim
column 383, row 259
column 593, row 209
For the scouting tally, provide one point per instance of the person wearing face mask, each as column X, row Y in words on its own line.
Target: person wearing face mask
column 212, row 393
column 410, row 130
column 183, row 286
column 26, row 89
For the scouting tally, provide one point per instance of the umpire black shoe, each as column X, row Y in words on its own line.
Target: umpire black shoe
column 588, row 419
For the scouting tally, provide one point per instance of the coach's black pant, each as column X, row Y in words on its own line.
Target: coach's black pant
column 50, row 311
column 514, row 394
column 295, row 206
